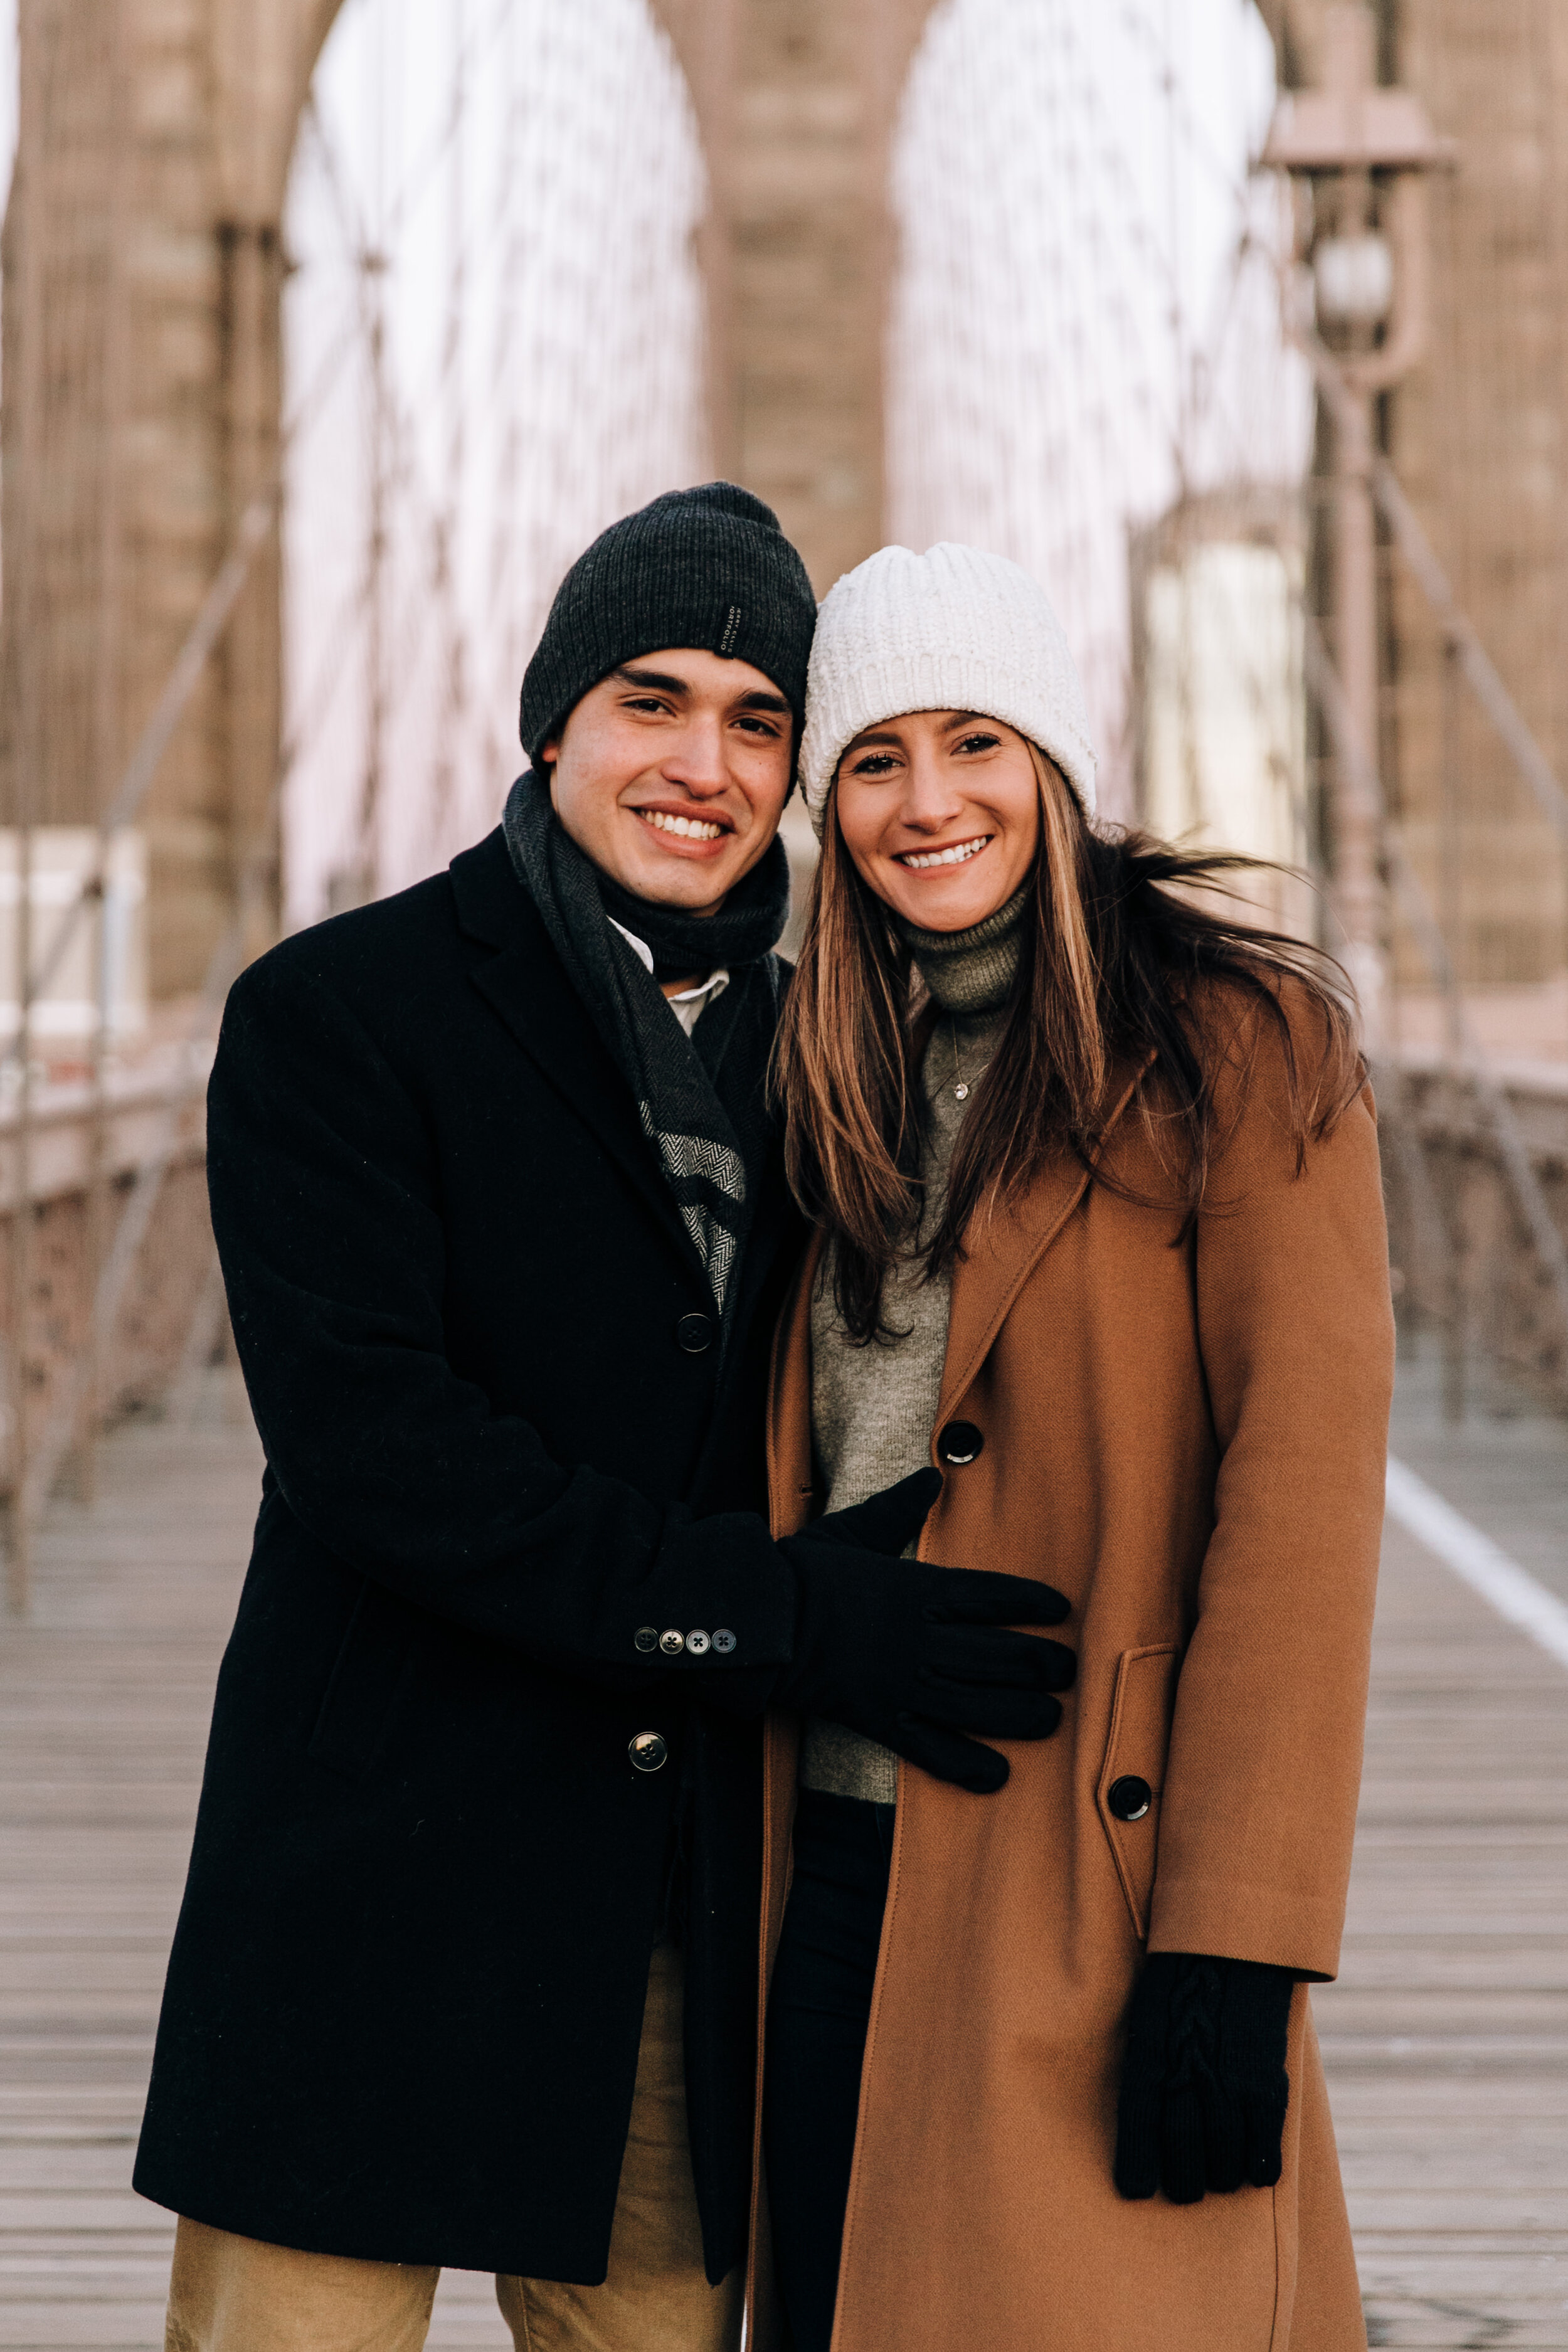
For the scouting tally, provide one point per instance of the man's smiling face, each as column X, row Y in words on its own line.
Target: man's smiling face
column 671, row 774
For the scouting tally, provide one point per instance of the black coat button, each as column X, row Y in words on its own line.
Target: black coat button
column 1129, row 1798
column 672, row 1642
column 646, row 1637
column 724, row 1641
column 960, row 1443
column 648, row 1750
column 694, row 1333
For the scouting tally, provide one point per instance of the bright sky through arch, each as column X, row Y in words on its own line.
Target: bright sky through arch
column 1085, row 316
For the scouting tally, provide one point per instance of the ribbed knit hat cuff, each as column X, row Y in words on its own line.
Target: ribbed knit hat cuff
column 957, row 628
column 896, row 685
column 707, row 568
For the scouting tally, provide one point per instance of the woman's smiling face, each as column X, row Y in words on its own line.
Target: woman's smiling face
column 941, row 812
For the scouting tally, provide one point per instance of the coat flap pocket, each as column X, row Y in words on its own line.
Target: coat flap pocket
column 373, row 1667
column 1133, row 1773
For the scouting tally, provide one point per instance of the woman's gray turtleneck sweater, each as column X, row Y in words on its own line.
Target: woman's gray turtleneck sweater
column 872, row 1408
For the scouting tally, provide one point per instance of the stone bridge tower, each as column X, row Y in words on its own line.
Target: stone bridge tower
column 143, row 270
column 1478, row 435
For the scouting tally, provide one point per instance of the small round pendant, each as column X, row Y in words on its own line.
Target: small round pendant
column 962, row 1093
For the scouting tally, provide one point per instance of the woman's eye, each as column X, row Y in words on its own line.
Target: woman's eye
column 978, row 742
column 875, row 764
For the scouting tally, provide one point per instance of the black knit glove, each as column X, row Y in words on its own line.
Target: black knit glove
column 912, row 1655
column 1204, row 2086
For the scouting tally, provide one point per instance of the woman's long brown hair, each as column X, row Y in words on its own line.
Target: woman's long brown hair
column 1117, row 952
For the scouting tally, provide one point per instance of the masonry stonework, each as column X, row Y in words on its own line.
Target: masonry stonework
column 1478, row 435
column 143, row 264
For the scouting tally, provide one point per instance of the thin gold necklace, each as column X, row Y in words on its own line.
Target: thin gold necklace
column 960, row 1084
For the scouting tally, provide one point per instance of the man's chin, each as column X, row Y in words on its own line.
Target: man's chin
column 663, row 880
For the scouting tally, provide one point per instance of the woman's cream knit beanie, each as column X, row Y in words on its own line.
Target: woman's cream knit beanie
column 953, row 629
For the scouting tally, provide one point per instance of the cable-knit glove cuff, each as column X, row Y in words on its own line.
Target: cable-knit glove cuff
column 1204, row 2086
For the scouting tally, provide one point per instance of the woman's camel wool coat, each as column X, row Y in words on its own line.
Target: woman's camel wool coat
column 1185, row 1433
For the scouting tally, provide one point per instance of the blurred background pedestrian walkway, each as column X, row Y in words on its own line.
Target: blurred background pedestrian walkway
column 1445, row 2039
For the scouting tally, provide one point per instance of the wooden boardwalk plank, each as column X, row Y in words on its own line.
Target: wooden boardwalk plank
column 1446, row 2039
column 104, row 1700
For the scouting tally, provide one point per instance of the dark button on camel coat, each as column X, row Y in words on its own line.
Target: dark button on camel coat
column 1188, row 1436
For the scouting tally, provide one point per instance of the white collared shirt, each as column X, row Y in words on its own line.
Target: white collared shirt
column 692, row 1003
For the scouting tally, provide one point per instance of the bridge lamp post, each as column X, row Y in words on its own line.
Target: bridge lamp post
column 1359, row 155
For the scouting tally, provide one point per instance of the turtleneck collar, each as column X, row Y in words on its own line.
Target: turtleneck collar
column 971, row 971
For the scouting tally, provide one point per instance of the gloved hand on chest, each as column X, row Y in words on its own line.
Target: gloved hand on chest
column 926, row 1661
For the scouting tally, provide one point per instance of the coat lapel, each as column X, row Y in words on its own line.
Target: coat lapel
column 776, row 1223
column 525, row 981
column 999, row 1259
column 790, row 1481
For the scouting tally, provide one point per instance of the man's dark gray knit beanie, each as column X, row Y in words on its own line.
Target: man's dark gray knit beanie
column 708, row 567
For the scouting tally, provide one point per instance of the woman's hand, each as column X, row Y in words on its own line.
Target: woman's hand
column 1204, row 2086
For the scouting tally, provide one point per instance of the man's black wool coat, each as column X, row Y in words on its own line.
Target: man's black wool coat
column 404, row 1998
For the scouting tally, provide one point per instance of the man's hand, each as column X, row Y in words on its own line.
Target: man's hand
column 1204, row 2086
column 916, row 1657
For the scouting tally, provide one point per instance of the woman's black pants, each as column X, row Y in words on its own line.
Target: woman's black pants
column 818, row 2016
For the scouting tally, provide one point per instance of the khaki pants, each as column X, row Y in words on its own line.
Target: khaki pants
column 235, row 2295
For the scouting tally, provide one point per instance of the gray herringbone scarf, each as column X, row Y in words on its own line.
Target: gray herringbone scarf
column 703, row 1099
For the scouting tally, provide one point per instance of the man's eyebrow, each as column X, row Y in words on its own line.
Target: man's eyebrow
column 655, row 682
column 758, row 700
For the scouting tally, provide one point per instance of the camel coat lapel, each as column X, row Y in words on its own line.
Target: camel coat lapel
column 999, row 1261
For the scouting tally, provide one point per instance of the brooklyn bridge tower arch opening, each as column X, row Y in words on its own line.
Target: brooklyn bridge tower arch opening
column 145, row 268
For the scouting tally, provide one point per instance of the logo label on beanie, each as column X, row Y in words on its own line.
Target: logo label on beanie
column 729, row 631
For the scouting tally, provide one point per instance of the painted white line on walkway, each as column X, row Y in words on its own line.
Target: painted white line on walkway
column 1512, row 1591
